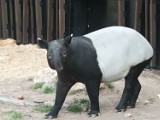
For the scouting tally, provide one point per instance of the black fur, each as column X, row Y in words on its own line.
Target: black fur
column 80, row 65
column 132, row 87
column 78, row 58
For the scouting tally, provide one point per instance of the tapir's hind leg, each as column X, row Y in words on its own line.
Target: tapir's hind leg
column 132, row 87
column 134, row 95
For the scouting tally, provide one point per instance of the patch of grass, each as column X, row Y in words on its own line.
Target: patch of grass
column 13, row 115
column 72, row 92
column 38, row 85
column 79, row 105
column 30, row 78
column 48, row 90
column 75, row 108
column 110, row 85
column 84, row 101
column 43, row 108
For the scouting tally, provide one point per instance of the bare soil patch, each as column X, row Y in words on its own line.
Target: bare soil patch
column 20, row 63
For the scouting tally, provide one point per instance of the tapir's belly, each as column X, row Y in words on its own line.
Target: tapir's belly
column 116, row 72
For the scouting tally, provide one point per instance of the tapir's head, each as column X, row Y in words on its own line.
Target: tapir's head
column 56, row 51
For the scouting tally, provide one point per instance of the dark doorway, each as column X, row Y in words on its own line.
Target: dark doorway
column 83, row 16
column 158, row 34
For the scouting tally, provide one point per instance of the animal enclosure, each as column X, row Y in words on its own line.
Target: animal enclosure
column 26, row 20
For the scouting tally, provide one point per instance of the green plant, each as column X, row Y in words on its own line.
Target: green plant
column 75, row 108
column 43, row 108
column 72, row 92
column 30, row 78
column 13, row 115
column 47, row 90
column 78, row 105
column 110, row 85
column 38, row 85
column 84, row 101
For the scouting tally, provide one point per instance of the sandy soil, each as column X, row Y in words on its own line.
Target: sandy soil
column 19, row 63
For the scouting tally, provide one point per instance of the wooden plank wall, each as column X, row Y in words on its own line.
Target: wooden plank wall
column 137, row 21
column 26, row 20
column 50, row 19
column 149, row 20
column 18, row 21
column 61, row 18
column 0, row 22
column 121, row 12
column 11, row 20
column 152, row 20
column 4, row 18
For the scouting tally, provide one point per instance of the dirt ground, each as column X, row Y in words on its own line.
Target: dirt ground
column 19, row 63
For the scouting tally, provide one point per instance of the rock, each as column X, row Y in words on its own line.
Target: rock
column 2, row 58
column 20, row 97
column 14, row 101
column 128, row 115
column 146, row 102
column 8, row 42
column 102, row 86
column 50, row 85
column 49, row 103
column 158, row 96
column 46, row 76
column 49, row 78
column 137, row 101
column 38, row 101
column 78, row 86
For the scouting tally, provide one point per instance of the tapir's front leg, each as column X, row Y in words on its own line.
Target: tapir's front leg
column 61, row 92
column 93, row 92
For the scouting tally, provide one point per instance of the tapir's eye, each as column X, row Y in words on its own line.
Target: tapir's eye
column 64, row 53
column 49, row 57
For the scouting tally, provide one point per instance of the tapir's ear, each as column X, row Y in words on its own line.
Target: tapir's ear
column 42, row 43
column 67, row 40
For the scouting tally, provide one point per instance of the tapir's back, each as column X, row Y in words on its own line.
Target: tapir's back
column 118, row 49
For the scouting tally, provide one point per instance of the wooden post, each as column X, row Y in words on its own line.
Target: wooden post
column 38, row 18
column 50, row 20
column 153, row 29
column 61, row 18
column 147, row 19
column 138, row 9
column 25, row 21
column 57, row 19
column 0, row 21
column 32, row 23
column 4, row 18
column 121, row 12
column 11, row 20
column 18, row 21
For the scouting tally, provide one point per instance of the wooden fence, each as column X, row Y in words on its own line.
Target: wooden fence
column 26, row 20
column 144, row 20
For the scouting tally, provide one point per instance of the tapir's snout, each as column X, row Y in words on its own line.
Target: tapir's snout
column 58, row 66
column 56, row 62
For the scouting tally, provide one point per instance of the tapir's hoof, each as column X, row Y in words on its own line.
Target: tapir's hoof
column 93, row 114
column 120, row 109
column 130, row 105
column 49, row 116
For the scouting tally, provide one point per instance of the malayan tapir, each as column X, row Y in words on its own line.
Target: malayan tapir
column 106, row 55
